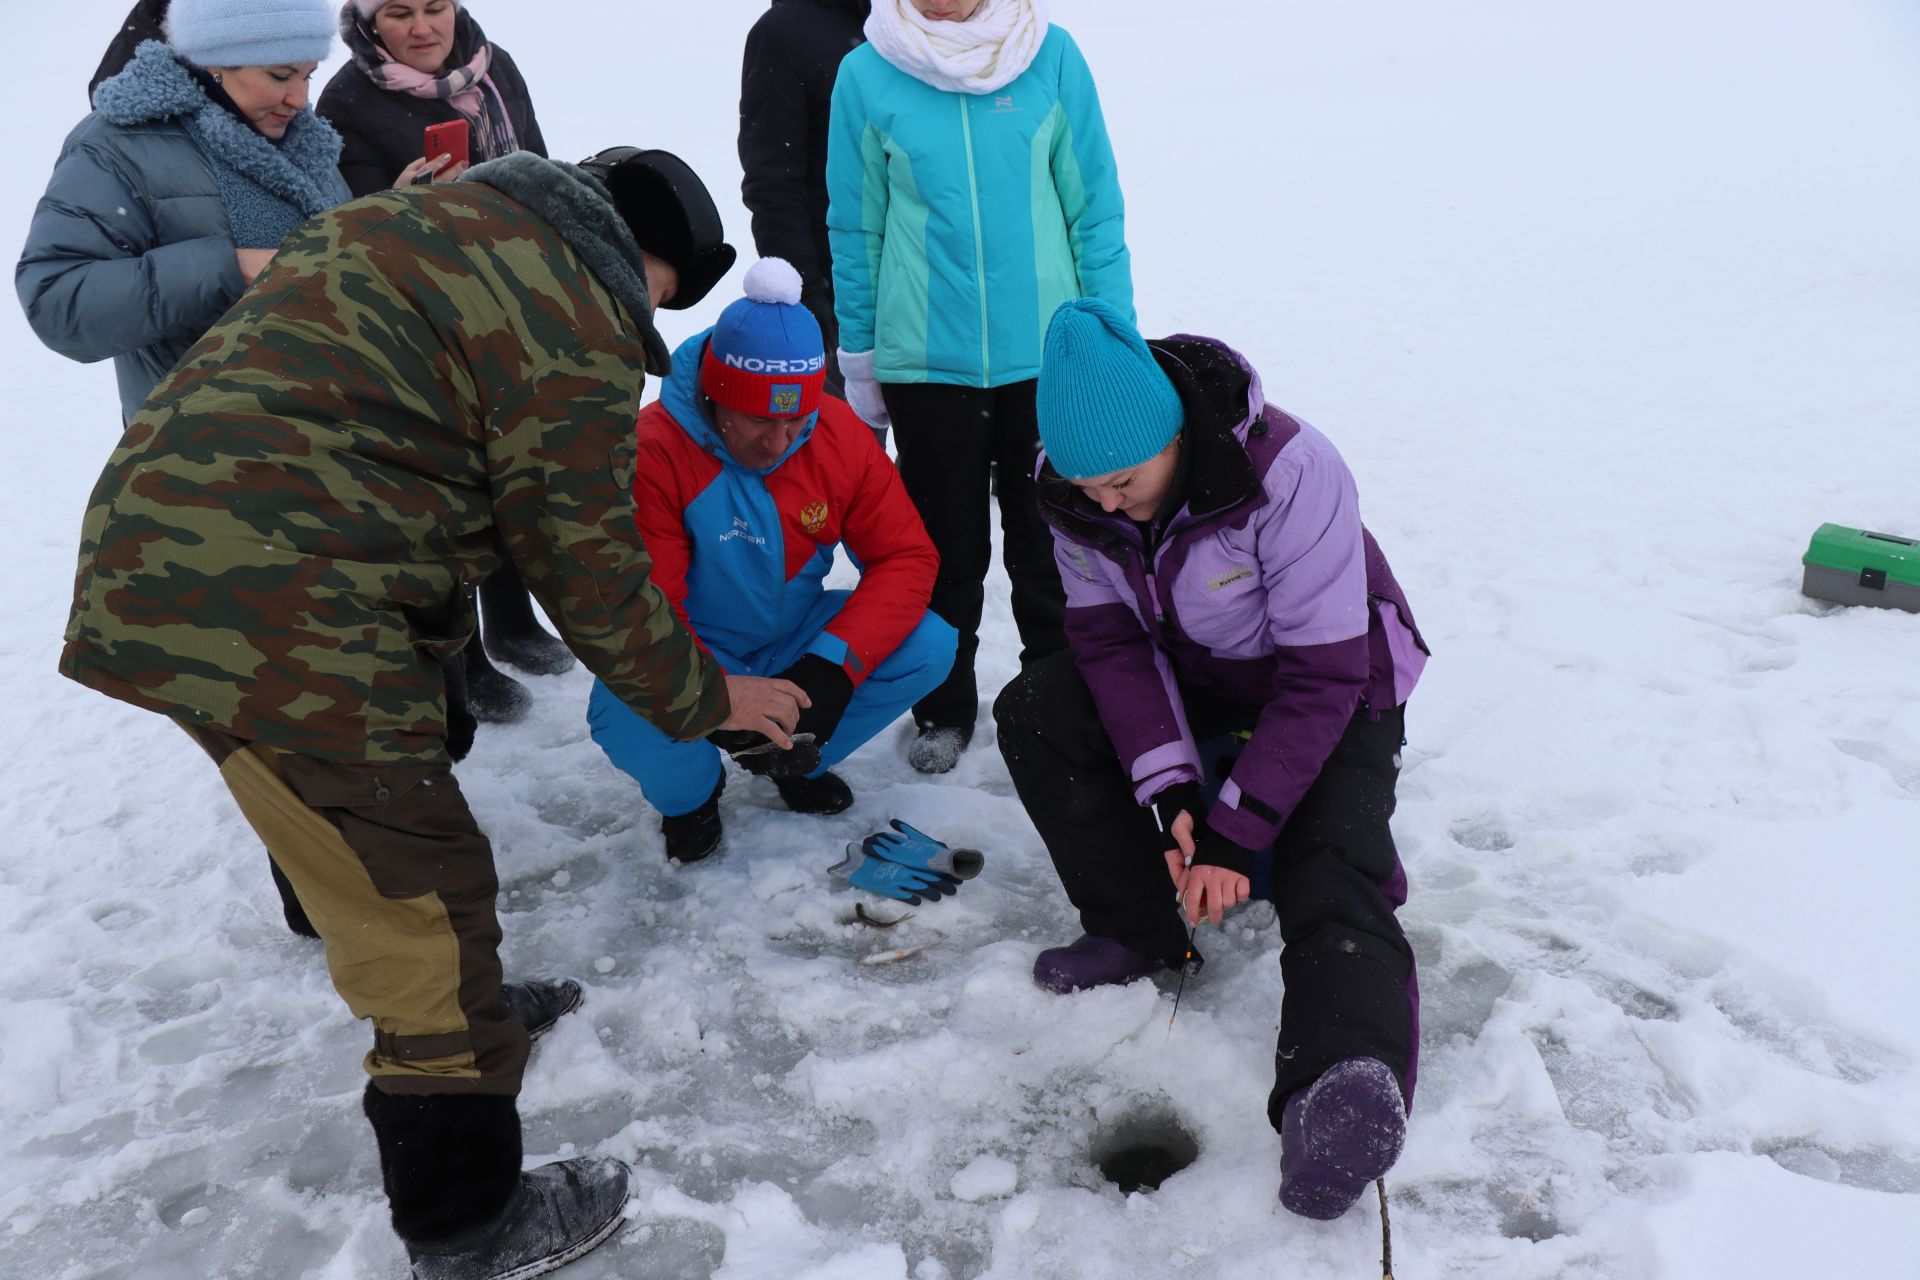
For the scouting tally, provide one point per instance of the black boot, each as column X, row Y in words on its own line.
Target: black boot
column 493, row 696
column 938, row 747
column 451, row 1165
column 692, row 836
column 510, row 631
column 539, row 1004
column 296, row 915
column 822, row 795
column 561, row 1211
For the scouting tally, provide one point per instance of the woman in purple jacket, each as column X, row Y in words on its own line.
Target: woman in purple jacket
column 1240, row 658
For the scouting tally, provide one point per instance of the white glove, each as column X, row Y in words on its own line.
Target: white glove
column 863, row 393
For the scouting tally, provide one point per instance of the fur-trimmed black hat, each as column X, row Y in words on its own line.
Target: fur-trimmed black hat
column 670, row 213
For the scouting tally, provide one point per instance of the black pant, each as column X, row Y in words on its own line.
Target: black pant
column 506, row 606
column 949, row 441
column 819, row 300
column 1337, row 879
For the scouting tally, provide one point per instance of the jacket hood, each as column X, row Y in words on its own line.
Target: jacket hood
column 1208, row 372
column 581, row 210
column 681, row 395
column 155, row 85
column 1221, row 396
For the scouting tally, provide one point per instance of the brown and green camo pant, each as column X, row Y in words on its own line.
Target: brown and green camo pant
column 399, row 882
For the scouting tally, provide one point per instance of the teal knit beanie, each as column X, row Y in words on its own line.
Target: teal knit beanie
column 250, row 33
column 1104, row 403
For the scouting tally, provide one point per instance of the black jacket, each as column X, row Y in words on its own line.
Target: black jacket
column 142, row 24
column 384, row 131
column 786, row 87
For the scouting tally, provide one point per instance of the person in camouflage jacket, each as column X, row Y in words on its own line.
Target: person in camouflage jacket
column 279, row 556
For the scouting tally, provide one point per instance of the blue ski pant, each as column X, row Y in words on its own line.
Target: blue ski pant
column 677, row 777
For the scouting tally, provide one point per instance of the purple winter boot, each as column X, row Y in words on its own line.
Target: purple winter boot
column 1337, row 1135
column 1091, row 962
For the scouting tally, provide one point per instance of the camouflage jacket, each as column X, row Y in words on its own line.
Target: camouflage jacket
column 427, row 380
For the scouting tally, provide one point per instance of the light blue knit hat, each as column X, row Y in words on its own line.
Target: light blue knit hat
column 250, row 33
column 1103, row 401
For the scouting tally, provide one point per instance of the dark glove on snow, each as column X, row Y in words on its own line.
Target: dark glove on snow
column 828, row 687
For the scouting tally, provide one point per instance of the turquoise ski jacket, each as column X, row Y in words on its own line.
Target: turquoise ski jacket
column 958, row 221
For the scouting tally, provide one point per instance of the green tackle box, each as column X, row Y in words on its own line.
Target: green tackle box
column 1853, row 566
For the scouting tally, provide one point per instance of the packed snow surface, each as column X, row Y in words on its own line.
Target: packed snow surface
column 1607, row 305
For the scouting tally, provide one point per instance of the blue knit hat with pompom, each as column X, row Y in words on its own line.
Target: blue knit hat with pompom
column 250, row 33
column 1103, row 401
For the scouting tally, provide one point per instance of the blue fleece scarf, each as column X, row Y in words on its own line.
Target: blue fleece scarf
column 268, row 188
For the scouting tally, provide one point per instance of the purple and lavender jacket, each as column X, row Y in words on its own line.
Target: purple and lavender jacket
column 1264, row 589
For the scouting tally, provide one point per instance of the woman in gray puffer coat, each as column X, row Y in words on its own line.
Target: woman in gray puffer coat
column 198, row 159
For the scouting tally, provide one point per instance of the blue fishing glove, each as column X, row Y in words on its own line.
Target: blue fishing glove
column 890, row 879
column 910, row 847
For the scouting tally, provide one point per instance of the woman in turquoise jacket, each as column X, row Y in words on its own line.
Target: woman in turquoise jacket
column 972, row 189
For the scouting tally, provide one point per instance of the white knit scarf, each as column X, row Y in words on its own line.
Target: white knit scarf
column 986, row 52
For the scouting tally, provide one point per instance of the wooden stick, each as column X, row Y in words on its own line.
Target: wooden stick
column 1386, row 1234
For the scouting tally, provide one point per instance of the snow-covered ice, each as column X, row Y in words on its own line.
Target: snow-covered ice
column 1607, row 305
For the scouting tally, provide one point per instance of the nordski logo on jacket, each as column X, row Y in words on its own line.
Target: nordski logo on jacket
column 741, row 529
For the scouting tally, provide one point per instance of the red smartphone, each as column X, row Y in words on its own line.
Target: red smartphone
column 449, row 139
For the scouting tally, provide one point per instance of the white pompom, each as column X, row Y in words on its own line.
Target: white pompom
column 773, row 280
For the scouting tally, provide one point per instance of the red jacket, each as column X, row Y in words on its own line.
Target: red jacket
column 741, row 553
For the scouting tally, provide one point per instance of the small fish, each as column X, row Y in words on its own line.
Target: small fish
column 894, row 957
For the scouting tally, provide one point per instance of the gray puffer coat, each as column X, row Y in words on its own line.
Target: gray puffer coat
column 130, row 255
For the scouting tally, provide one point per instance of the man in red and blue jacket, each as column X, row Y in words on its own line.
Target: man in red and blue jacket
column 748, row 478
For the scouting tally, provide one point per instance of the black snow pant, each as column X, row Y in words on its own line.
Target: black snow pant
column 1347, row 968
column 949, row 440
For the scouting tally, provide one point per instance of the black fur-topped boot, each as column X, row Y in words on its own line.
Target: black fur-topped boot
column 493, row 696
column 511, row 632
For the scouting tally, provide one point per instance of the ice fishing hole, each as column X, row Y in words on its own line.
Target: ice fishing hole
column 1144, row 1149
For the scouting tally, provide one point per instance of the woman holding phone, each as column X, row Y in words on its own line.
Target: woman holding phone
column 427, row 95
column 418, row 64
